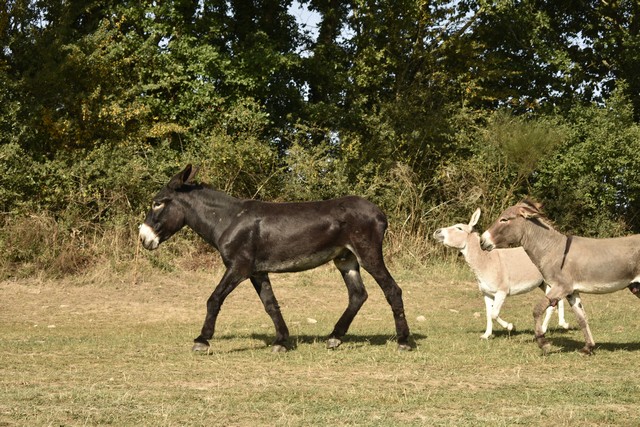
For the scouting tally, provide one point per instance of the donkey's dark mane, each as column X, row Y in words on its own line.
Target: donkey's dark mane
column 542, row 220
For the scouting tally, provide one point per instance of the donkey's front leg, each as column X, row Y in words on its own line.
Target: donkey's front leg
column 262, row 285
column 538, row 310
column 488, row 304
column 230, row 280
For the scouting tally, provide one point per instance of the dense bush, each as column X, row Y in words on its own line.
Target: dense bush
column 590, row 185
column 425, row 109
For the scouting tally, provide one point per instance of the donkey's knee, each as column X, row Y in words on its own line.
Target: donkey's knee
column 272, row 307
column 359, row 296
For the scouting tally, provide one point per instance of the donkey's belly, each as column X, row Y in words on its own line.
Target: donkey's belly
column 523, row 287
column 601, row 287
column 297, row 262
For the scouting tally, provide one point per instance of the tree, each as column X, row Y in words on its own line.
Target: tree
column 533, row 54
column 590, row 185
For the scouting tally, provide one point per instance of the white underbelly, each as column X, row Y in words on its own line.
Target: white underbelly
column 514, row 288
column 599, row 288
column 524, row 287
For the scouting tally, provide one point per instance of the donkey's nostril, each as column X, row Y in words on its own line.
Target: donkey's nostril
column 485, row 244
column 438, row 235
column 148, row 237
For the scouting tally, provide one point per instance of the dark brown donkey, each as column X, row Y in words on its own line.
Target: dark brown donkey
column 569, row 264
column 257, row 238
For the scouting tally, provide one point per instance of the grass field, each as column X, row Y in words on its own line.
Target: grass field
column 99, row 349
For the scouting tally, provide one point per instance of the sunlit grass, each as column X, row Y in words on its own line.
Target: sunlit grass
column 101, row 350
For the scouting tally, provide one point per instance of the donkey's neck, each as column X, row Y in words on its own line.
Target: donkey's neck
column 478, row 259
column 544, row 245
column 208, row 212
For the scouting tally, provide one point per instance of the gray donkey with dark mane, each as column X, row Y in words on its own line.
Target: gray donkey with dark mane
column 256, row 238
column 570, row 264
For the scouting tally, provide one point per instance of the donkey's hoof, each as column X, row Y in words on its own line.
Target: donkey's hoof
column 564, row 325
column 546, row 348
column 587, row 351
column 404, row 347
column 277, row 348
column 510, row 327
column 333, row 343
column 200, row 347
column 486, row 336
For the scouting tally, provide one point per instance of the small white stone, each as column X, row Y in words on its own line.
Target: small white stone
column 421, row 318
column 312, row 321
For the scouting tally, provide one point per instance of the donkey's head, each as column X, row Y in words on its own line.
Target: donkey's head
column 509, row 228
column 166, row 215
column 456, row 235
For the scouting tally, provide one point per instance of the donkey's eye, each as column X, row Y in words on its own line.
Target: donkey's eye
column 504, row 220
column 157, row 205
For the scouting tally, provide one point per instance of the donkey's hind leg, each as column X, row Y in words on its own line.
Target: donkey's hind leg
column 350, row 270
column 372, row 261
column 578, row 309
column 262, row 285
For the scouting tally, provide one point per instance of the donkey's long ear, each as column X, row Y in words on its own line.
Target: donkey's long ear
column 188, row 177
column 183, row 177
column 475, row 217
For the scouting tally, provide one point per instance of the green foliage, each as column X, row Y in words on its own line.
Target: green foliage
column 429, row 109
column 233, row 157
column 15, row 178
column 314, row 173
column 590, row 185
column 501, row 166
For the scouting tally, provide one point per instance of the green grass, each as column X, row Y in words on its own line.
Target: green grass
column 100, row 350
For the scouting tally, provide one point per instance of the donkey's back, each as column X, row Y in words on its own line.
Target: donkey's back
column 287, row 237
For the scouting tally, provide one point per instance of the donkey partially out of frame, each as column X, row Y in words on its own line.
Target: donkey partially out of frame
column 501, row 273
column 570, row 264
column 256, row 238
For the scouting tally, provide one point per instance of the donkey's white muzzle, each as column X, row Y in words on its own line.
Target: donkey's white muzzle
column 486, row 242
column 148, row 237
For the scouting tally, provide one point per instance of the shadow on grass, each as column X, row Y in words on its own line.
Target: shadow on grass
column 564, row 344
column 296, row 340
column 529, row 331
column 570, row 345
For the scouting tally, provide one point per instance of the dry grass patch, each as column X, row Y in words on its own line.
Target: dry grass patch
column 98, row 349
